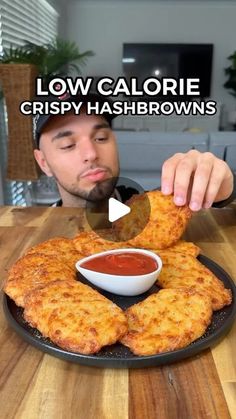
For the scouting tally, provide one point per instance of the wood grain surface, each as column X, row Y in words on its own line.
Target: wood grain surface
column 36, row 385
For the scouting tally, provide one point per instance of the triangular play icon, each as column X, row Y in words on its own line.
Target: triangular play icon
column 116, row 210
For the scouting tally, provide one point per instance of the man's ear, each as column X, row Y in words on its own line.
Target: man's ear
column 40, row 158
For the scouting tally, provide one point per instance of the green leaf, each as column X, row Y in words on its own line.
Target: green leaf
column 58, row 57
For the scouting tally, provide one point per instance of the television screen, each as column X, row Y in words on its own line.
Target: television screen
column 169, row 60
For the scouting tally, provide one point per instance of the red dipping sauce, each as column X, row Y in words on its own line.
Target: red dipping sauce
column 123, row 263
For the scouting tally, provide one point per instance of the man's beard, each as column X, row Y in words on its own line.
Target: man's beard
column 100, row 192
column 103, row 190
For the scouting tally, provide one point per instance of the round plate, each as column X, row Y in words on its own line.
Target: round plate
column 119, row 356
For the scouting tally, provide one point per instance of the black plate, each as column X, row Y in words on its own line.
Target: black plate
column 118, row 356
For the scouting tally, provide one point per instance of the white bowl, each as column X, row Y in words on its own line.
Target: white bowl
column 128, row 285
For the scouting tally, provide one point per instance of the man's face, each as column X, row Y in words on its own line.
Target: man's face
column 80, row 152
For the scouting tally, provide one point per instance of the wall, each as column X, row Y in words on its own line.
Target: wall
column 103, row 26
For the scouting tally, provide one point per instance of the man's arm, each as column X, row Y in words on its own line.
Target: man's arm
column 198, row 180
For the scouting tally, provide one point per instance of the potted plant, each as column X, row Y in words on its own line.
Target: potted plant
column 231, row 84
column 57, row 58
column 18, row 69
column 52, row 59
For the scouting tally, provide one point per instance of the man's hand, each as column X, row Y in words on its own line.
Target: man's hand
column 197, row 179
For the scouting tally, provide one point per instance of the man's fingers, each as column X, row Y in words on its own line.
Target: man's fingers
column 215, row 183
column 168, row 173
column 183, row 179
column 196, row 179
column 201, row 180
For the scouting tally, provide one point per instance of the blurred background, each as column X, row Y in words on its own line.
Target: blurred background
column 115, row 38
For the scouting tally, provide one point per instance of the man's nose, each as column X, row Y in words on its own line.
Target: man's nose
column 88, row 150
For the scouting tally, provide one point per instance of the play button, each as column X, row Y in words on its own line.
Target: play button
column 111, row 200
column 116, row 210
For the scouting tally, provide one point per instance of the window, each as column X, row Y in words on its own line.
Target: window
column 22, row 20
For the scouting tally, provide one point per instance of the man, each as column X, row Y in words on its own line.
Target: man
column 80, row 151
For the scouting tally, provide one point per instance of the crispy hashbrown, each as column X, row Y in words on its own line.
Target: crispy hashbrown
column 61, row 247
column 182, row 246
column 34, row 270
column 82, row 238
column 182, row 270
column 100, row 241
column 166, row 321
column 74, row 316
column 166, row 224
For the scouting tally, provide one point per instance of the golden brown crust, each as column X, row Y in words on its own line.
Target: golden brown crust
column 83, row 238
column 100, row 241
column 74, row 316
column 166, row 225
column 32, row 271
column 167, row 321
column 182, row 270
column 182, row 247
column 61, row 247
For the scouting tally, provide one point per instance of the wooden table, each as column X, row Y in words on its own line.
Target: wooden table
column 36, row 385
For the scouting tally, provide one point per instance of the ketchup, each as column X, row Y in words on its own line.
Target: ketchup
column 123, row 263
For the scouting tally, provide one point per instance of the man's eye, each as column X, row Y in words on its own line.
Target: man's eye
column 67, row 147
column 101, row 139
